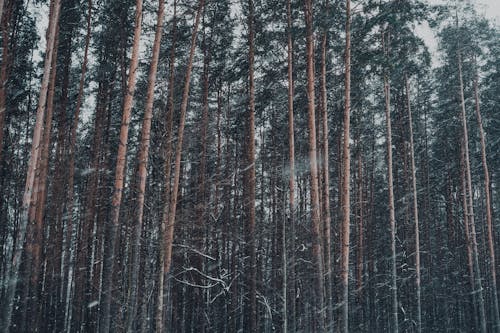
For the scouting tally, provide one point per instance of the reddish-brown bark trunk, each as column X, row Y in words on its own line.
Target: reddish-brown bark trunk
column 346, row 175
column 13, row 266
column 249, row 180
column 291, row 180
column 313, row 165
column 168, row 158
column 109, row 252
column 415, row 210
column 143, row 156
column 390, row 181
column 489, row 222
column 326, row 178
column 170, row 217
column 478, row 287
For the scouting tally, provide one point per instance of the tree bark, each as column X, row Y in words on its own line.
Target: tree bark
column 13, row 265
column 1, row 8
column 113, row 224
column 169, row 219
column 40, row 193
column 71, row 154
column 479, row 287
column 346, row 174
column 390, row 181
column 361, row 240
column 319, row 316
column 415, row 209
column 468, row 237
column 249, row 180
column 143, row 156
column 291, row 181
column 326, row 179
column 489, row 219
column 168, row 158
column 392, row 218
column 4, row 69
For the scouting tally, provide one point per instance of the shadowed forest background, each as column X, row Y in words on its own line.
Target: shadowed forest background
column 248, row 166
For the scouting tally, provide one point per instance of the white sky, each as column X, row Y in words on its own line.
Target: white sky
column 489, row 8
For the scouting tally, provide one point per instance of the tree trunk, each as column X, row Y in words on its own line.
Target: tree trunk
column 319, row 315
column 40, row 192
column 143, row 155
column 415, row 209
column 1, row 8
column 326, row 180
column 468, row 240
column 169, row 219
column 168, row 157
column 479, row 287
column 361, row 227
column 113, row 223
column 71, row 159
column 12, row 270
column 392, row 218
column 249, row 181
column 346, row 175
column 291, row 181
column 489, row 222
column 4, row 69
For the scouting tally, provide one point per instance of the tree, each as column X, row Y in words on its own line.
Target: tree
column 489, row 224
column 392, row 218
column 105, row 312
column 313, row 165
column 291, row 157
column 415, row 210
column 162, row 269
column 249, row 178
column 13, row 266
column 142, row 167
column 346, row 172
column 479, row 288
column 169, row 220
column 326, row 174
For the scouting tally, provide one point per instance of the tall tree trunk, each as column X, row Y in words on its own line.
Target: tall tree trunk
column 168, row 157
column 489, row 222
column 479, row 287
column 326, row 179
column 169, row 219
column 4, row 69
column 69, row 250
column 361, row 240
column 142, row 168
column 468, row 240
column 249, row 181
column 71, row 161
column 12, row 270
column 201, row 200
column 291, row 181
column 87, row 241
column 319, row 316
column 39, row 193
column 1, row 8
column 113, row 223
column 415, row 209
column 392, row 218
column 346, row 174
